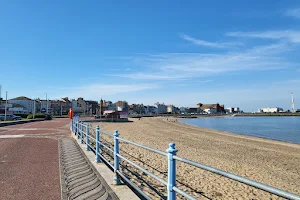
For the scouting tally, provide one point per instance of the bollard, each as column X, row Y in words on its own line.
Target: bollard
column 87, row 138
column 97, row 144
column 116, row 158
column 171, row 171
column 81, row 135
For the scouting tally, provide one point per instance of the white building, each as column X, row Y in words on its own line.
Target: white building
column 210, row 110
column 232, row 110
column 17, row 109
column 270, row 110
column 171, row 109
column 76, row 107
column 26, row 102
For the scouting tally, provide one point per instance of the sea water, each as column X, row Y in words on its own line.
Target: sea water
column 285, row 128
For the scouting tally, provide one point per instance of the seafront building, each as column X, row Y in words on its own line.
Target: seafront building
column 25, row 104
column 161, row 108
column 270, row 110
column 232, row 110
column 211, row 108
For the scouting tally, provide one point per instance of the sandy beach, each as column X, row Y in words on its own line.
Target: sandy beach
column 271, row 162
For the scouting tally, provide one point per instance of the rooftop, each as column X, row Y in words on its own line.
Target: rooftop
column 21, row 98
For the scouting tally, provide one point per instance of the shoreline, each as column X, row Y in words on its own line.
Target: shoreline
column 271, row 162
column 250, row 137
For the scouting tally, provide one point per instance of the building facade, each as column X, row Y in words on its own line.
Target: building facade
column 270, row 110
column 161, row 108
column 150, row 110
column 219, row 108
column 25, row 102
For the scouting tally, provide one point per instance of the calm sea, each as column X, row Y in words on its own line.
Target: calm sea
column 276, row 128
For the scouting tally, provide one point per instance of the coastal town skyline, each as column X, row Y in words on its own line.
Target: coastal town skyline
column 211, row 53
column 60, row 106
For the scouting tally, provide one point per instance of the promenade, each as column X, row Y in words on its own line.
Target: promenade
column 29, row 160
column 30, row 166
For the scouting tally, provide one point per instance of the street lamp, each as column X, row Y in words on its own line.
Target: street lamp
column 5, row 108
column 46, row 103
column 33, row 116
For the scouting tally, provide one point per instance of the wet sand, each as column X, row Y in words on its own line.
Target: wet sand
column 271, row 162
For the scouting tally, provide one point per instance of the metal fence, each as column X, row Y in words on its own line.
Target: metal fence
column 85, row 133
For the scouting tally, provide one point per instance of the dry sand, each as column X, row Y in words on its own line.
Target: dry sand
column 270, row 162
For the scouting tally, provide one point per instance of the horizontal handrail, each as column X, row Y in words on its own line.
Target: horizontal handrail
column 176, row 189
column 105, row 133
column 134, row 186
column 107, row 162
column 145, row 147
column 143, row 170
column 246, row 181
column 91, row 146
column 107, row 147
column 92, row 138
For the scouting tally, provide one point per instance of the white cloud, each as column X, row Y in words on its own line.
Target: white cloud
column 288, row 35
column 95, row 91
column 183, row 66
column 293, row 13
column 207, row 44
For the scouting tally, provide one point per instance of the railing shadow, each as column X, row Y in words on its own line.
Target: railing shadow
column 162, row 173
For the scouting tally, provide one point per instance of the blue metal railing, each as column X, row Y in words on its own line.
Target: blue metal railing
column 83, row 130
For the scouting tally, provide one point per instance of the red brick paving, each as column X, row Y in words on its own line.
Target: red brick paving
column 29, row 167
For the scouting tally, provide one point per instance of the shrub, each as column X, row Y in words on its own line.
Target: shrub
column 22, row 115
column 30, row 116
column 48, row 117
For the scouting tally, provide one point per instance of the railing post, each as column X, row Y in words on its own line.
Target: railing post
column 79, row 129
column 81, row 135
column 171, row 171
column 72, row 124
column 87, row 138
column 76, row 127
column 97, row 144
column 116, row 158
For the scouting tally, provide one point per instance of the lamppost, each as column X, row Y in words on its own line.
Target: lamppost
column 46, row 103
column 33, row 108
column 5, row 108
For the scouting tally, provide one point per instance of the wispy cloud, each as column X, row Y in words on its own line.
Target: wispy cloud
column 183, row 66
column 208, row 44
column 287, row 81
column 96, row 90
column 151, row 76
column 295, row 12
column 288, row 35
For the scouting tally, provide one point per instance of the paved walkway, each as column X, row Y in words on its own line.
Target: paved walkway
column 29, row 160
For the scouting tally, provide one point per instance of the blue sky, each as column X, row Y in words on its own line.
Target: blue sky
column 238, row 53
